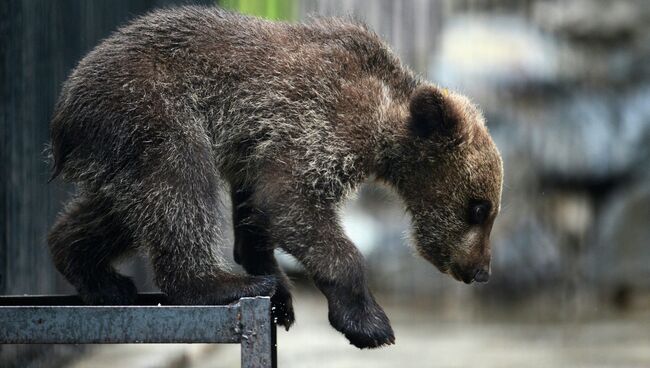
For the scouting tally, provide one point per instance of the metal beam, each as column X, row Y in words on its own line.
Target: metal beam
column 118, row 324
column 258, row 344
column 63, row 320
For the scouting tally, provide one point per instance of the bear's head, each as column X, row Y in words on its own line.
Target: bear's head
column 450, row 176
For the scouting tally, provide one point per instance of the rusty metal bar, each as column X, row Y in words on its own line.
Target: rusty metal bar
column 64, row 320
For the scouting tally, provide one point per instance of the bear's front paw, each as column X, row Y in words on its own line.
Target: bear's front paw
column 365, row 325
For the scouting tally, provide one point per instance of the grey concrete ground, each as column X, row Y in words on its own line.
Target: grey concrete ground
column 448, row 337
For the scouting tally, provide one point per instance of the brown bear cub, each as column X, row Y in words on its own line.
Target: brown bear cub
column 183, row 103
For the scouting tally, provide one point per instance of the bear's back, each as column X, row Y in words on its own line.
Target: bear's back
column 182, row 69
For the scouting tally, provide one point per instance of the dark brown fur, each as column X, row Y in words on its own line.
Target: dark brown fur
column 182, row 103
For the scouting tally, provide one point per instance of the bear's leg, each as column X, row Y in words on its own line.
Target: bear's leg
column 338, row 270
column 254, row 251
column 85, row 239
column 309, row 229
column 173, row 204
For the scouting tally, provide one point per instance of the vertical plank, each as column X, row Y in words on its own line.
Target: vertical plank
column 7, row 11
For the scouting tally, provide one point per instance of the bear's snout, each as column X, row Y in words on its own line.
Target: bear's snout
column 470, row 274
column 482, row 274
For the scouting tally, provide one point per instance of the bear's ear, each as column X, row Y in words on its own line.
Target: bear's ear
column 430, row 114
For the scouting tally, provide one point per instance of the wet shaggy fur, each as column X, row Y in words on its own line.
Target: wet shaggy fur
column 183, row 103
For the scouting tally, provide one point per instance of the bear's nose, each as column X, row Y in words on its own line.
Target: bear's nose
column 482, row 274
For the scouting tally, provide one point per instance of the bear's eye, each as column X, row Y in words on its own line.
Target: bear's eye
column 478, row 212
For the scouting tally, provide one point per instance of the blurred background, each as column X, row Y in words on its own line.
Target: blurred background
column 565, row 86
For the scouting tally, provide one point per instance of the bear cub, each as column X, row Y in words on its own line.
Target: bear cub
column 183, row 103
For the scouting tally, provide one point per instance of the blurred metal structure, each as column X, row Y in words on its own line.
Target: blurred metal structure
column 64, row 320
